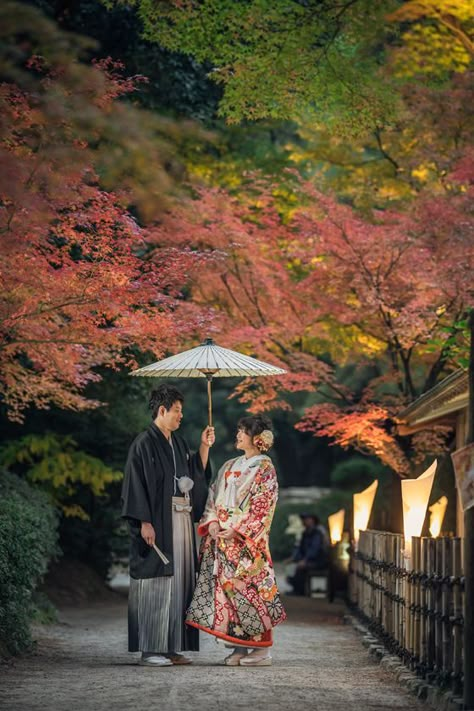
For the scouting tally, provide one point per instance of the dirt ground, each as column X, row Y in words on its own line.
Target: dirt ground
column 81, row 664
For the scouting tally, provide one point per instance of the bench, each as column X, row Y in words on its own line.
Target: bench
column 318, row 583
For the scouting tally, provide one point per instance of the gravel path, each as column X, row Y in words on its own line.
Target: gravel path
column 81, row 664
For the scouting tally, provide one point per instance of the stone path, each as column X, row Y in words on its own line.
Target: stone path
column 81, row 664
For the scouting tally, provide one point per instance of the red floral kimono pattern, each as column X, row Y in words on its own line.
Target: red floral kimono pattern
column 236, row 597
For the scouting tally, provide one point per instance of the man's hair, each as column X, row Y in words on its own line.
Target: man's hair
column 254, row 425
column 165, row 395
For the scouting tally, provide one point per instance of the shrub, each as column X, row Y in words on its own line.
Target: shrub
column 28, row 541
column 85, row 490
column 356, row 473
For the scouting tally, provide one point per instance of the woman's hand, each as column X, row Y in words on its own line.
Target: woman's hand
column 214, row 529
column 148, row 533
column 227, row 534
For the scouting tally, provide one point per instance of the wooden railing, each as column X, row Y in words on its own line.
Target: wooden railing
column 416, row 610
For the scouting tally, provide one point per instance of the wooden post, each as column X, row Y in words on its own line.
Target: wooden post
column 447, row 567
column 403, row 594
column 439, row 608
column 409, row 605
column 424, row 606
column 378, row 593
column 387, row 601
column 469, row 553
column 416, row 599
column 457, row 613
column 431, row 569
column 469, row 608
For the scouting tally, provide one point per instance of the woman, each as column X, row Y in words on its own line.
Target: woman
column 236, row 598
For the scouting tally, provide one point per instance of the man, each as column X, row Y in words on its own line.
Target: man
column 310, row 554
column 159, row 505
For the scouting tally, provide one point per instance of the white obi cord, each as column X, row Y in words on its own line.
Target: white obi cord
column 184, row 483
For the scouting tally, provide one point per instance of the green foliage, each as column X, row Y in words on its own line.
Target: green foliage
column 83, row 487
column 280, row 59
column 53, row 462
column 28, row 541
column 455, row 339
column 99, row 540
column 356, row 473
column 43, row 611
column 176, row 84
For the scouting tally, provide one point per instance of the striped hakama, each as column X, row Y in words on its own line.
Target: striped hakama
column 157, row 606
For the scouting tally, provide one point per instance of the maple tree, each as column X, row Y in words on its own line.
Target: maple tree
column 392, row 166
column 284, row 59
column 326, row 286
column 437, row 37
column 82, row 279
column 288, row 273
column 339, row 63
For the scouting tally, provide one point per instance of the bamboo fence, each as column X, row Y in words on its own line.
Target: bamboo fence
column 416, row 610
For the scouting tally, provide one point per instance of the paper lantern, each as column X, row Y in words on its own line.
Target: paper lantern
column 415, row 497
column 336, row 526
column 363, row 503
column 437, row 511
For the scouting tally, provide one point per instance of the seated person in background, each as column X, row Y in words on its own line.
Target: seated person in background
column 311, row 554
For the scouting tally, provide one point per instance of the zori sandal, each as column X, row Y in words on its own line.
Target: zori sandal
column 234, row 659
column 257, row 661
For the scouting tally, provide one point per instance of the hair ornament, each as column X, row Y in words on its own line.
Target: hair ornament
column 264, row 440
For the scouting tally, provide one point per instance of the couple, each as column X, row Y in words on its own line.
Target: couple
column 235, row 597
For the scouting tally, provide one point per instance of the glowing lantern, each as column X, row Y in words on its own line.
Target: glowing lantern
column 363, row 503
column 415, row 496
column 437, row 511
column 336, row 526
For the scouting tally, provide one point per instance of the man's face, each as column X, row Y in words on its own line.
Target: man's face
column 171, row 419
column 308, row 522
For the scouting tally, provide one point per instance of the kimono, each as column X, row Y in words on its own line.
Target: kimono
column 236, row 597
column 147, row 490
column 150, row 493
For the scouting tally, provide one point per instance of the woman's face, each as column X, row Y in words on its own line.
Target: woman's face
column 243, row 440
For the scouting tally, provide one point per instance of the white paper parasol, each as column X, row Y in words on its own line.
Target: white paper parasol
column 208, row 361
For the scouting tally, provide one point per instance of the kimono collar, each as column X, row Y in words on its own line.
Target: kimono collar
column 236, row 490
column 251, row 462
column 155, row 430
column 161, row 442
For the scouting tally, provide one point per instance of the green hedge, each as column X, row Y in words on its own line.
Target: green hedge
column 28, row 541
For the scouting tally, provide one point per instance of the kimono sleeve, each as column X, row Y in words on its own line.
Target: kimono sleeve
column 210, row 513
column 257, row 519
column 135, row 499
column 210, row 510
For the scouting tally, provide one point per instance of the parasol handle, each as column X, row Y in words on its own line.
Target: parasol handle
column 209, row 399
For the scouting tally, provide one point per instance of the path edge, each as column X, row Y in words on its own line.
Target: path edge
column 423, row 690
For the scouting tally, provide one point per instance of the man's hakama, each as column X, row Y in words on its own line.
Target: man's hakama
column 157, row 606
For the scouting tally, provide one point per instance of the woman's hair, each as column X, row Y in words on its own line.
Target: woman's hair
column 254, row 424
column 165, row 395
column 259, row 428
